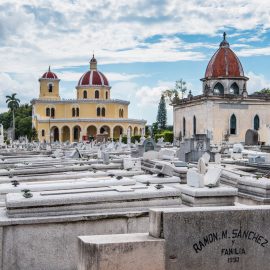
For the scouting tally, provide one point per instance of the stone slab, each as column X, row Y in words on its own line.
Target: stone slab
column 122, row 252
column 211, row 238
column 95, row 200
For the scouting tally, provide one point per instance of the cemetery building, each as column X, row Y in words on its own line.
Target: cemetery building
column 224, row 111
column 91, row 114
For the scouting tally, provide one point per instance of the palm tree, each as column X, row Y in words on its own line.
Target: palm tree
column 13, row 104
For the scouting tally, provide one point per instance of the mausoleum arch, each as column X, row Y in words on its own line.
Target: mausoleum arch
column 218, row 89
column 91, row 130
column 76, row 132
column 54, row 133
column 136, row 131
column 131, row 129
column 105, row 128
column 65, row 133
column 234, row 89
column 117, row 131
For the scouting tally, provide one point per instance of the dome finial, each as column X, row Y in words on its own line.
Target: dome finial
column 49, row 68
column 93, row 63
column 224, row 42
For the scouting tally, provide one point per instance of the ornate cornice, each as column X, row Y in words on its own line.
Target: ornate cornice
column 71, row 101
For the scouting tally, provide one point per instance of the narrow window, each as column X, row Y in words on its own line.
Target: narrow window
column 184, row 126
column 233, row 124
column 256, row 123
column 52, row 112
column 96, row 94
column 73, row 112
column 103, row 112
column 120, row 113
column 47, row 111
column 194, row 125
column 98, row 111
column 42, row 132
column 84, row 94
column 106, row 94
column 50, row 88
column 77, row 112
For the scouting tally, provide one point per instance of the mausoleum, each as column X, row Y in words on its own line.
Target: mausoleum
column 93, row 112
column 224, row 111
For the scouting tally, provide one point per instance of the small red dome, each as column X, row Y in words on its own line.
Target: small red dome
column 224, row 63
column 49, row 75
column 93, row 78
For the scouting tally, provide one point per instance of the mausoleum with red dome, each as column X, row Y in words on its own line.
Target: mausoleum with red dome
column 92, row 114
column 224, row 112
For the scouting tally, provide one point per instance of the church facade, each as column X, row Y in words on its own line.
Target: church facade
column 224, row 111
column 91, row 114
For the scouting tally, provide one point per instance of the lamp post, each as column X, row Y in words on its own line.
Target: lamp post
column 50, row 130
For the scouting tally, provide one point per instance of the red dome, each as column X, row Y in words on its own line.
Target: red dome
column 49, row 75
column 224, row 63
column 93, row 78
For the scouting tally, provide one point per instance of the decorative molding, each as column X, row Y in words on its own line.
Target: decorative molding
column 93, row 120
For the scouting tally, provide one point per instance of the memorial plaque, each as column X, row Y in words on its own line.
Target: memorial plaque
column 213, row 238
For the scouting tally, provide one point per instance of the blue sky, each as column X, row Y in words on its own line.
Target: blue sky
column 142, row 46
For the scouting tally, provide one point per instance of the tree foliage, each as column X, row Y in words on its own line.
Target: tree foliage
column 162, row 113
column 13, row 104
column 264, row 91
column 23, row 118
column 179, row 90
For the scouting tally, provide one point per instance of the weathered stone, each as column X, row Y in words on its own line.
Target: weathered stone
column 231, row 238
column 121, row 252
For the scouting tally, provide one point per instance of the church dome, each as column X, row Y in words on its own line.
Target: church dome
column 49, row 74
column 224, row 63
column 93, row 77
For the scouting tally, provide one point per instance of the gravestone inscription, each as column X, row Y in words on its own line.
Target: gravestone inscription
column 228, row 238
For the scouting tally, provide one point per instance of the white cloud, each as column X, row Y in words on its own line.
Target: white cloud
column 257, row 82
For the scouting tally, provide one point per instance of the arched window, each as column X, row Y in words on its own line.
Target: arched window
column 77, row 112
column 84, row 94
column 42, row 132
column 218, row 89
column 233, row 124
column 256, row 122
column 98, row 111
column 73, row 112
column 50, row 87
column 96, row 94
column 47, row 111
column 106, row 94
column 103, row 111
column 234, row 89
column 184, row 126
column 52, row 112
column 194, row 125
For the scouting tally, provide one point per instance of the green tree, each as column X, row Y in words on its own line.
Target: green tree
column 13, row 104
column 264, row 91
column 180, row 87
column 162, row 113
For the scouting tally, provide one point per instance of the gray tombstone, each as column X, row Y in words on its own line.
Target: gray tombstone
column 251, row 137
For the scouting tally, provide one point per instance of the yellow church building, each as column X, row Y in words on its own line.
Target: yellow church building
column 93, row 113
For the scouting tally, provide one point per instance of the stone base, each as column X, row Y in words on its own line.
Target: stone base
column 217, row 196
column 122, row 252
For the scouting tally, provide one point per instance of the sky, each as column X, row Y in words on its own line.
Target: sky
column 142, row 46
